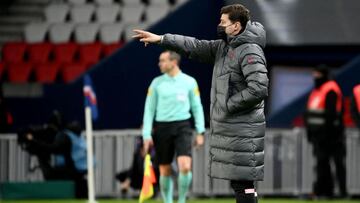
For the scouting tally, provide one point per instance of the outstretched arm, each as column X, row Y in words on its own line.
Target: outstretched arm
column 202, row 50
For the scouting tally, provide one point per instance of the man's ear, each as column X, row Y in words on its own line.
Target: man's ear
column 239, row 25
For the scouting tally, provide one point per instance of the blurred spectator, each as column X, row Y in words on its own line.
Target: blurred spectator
column 325, row 130
column 5, row 116
column 69, row 148
column 355, row 105
column 133, row 177
column 5, row 4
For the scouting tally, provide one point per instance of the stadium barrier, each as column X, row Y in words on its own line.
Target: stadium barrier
column 289, row 163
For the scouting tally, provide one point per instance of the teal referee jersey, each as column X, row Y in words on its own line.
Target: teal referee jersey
column 171, row 99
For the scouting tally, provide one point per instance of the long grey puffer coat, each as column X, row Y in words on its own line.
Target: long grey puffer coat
column 239, row 86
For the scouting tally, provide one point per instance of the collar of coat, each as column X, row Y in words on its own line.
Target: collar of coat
column 254, row 33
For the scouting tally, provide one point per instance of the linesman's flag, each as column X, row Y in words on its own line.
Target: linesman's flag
column 90, row 97
column 147, row 190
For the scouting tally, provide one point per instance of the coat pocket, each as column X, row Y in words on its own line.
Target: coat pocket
column 222, row 91
column 236, row 84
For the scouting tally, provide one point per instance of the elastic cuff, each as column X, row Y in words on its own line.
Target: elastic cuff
column 161, row 39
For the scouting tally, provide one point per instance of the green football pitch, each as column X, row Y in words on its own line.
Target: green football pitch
column 190, row 201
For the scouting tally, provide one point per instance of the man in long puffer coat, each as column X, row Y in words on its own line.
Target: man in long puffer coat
column 239, row 87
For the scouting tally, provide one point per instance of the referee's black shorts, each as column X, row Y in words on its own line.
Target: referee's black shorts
column 172, row 138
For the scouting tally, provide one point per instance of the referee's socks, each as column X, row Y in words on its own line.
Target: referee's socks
column 167, row 187
column 184, row 181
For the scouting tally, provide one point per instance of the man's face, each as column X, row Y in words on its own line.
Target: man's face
column 317, row 74
column 230, row 27
column 165, row 63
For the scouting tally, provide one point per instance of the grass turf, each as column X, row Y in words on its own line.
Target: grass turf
column 190, row 201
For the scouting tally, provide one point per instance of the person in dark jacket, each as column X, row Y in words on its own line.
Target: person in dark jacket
column 69, row 149
column 325, row 130
column 5, row 116
column 239, row 87
column 133, row 177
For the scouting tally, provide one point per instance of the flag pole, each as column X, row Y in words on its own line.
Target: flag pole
column 90, row 165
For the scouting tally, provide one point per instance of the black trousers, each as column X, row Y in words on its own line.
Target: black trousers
column 240, row 187
column 324, row 153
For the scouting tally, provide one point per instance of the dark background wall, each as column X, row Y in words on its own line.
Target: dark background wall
column 121, row 80
column 307, row 22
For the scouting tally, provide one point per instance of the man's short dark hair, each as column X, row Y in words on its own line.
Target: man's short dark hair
column 323, row 69
column 173, row 56
column 237, row 13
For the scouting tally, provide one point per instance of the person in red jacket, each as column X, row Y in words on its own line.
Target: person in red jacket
column 325, row 130
column 355, row 105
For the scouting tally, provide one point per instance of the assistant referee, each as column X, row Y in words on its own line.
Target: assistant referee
column 169, row 100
